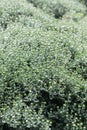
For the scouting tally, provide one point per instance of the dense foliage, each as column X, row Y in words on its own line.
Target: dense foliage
column 43, row 65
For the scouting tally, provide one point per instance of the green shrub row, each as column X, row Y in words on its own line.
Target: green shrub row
column 40, row 86
column 43, row 69
column 24, row 13
column 61, row 8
